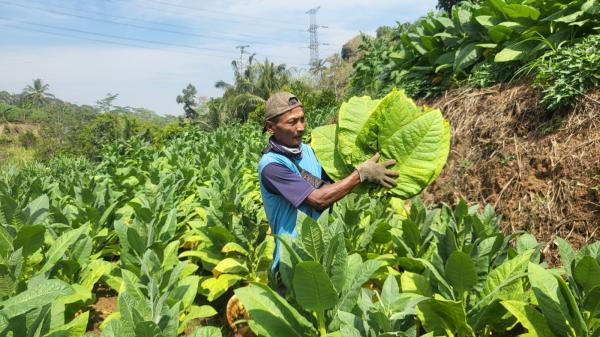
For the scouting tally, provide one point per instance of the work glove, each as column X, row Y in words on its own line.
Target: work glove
column 378, row 173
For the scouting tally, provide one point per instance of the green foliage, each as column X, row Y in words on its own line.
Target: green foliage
column 311, row 98
column 469, row 281
column 108, row 129
column 103, row 130
column 446, row 5
column 436, row 51
column 319, row 106
column 4, row 140
column 122, row 222
column 27, row 139
column 488, row 73
column 372, row 74
column 257, row 116
column 170, row 132
column 568, row 72
column 271, row 314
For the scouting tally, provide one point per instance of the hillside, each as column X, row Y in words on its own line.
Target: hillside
column 541, row 171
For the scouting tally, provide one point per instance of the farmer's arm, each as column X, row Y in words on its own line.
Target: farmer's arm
column 370, row 170
column 325, row 196
column 281, row 180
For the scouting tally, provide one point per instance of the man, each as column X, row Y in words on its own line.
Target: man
column 291, row 177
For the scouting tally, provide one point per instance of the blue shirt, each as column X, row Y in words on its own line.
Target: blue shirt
column 281, row 204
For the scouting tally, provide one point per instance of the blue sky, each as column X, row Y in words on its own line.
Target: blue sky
column 147, row 51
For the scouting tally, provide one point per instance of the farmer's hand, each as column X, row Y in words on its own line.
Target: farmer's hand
column 371, row 171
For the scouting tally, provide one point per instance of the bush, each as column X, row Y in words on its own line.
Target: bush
column 170, row 131
column 568, row 72
column 48, row 149
column 27, row 140
column 5, row 140
column 103, row 130
column 310, row 97
column 416, row 85
column 257, row 115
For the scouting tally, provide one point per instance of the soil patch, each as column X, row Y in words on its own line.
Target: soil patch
column 106, row 304
column 15, row 129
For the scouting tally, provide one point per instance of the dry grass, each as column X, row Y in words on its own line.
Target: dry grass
column 19, row 128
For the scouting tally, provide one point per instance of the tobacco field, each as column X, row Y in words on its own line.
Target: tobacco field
column 172, row 231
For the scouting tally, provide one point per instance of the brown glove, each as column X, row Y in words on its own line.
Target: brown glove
column 371, row 171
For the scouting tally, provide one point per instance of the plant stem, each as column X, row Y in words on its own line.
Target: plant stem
column 321, row 319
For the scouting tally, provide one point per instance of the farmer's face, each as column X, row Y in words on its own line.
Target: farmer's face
column 289, row 128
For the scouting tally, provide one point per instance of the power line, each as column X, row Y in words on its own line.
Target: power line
column 213, row 35
column 222, row 16
column 262, row 19
column 126, row 24
column 97, row 40
column 121, row 37
column 214, row 52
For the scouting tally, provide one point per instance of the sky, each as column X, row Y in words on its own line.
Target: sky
column 147, row 51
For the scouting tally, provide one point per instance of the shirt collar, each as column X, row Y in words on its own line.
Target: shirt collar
column 292, row 152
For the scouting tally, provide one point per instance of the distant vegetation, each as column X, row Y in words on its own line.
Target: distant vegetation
column 34, row 124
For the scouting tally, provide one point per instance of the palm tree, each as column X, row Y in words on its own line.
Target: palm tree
column 252, row 86
column 37, row 93
column 271, row 78
column 317, row 67
column 5, row 112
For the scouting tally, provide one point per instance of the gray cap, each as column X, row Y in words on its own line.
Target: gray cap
column 280, row 103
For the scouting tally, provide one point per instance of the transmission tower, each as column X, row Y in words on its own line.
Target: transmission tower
column 314, row 38
column 242, row 52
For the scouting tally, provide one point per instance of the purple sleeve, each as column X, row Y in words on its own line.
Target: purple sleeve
column 279, row 179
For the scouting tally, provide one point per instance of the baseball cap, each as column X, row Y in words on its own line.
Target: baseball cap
column 280, row 103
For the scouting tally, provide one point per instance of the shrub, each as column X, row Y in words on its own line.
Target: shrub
column 257, row 115
column 27, row 140
column 170, row 131
column 566, row 73
column 4, row 140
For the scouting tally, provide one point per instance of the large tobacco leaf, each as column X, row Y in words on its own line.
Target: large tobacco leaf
column 417, row 138
column 353, row 116
column 38, row 294
column 271, row 314
column 324, row 142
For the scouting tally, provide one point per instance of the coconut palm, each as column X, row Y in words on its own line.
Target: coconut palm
column 252, row 86
column 4, row 112
column 317, row 68
column 37, row 94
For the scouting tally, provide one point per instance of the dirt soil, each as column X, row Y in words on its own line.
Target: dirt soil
column 106, row 304
column 540, row 170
